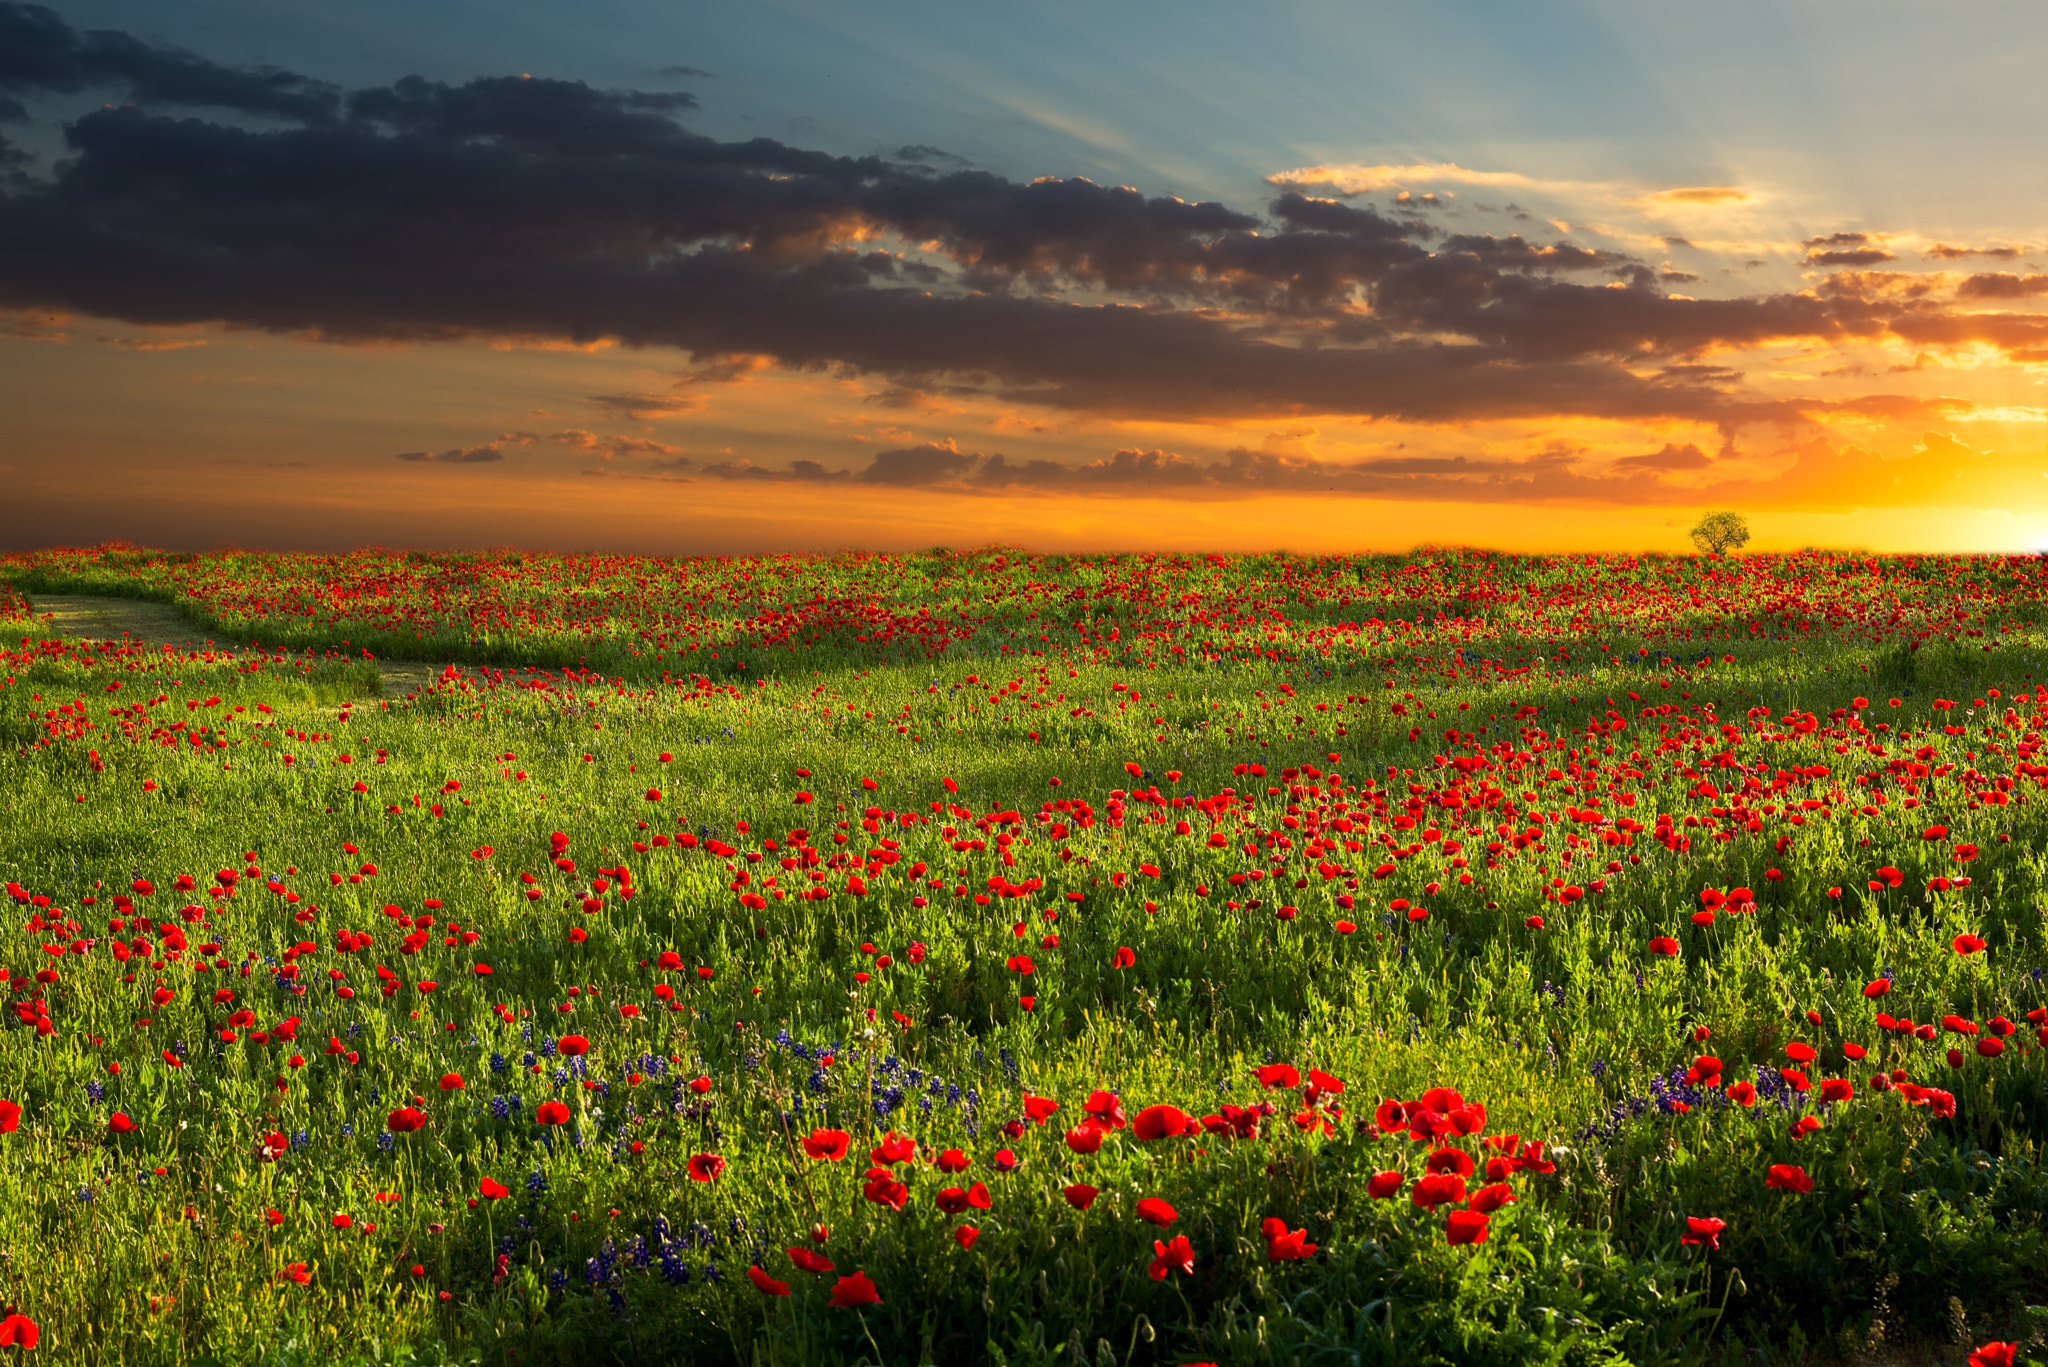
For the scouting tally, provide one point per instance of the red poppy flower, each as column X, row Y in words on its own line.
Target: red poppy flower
column 1382, row 1185
column 1391, row 1116
column 1274, row 1076
column 573, row 1045
column 1449, row 1160
column 1703, row 1230
column 405, row 1120
column 1801, row 1053
column 1284, row 1245
column 1175, row 1256
column 452, row 1082
column 766, row 1284
column 1465, row 1227
column 853, row 1292
column 1836, row 1089
column 10, row 1117
column 815, row 1263
column 1437, row 1189
column 1966, row 943
column 894, row 1148
column 1160, row 1122
column 1662, row 945
column 1990, row 1355
column 1079, row 1195
column 1152, row 1210
column 19, row 1331
column 1877, row 987
column 965, row 1236
column 294, row 1272
column 1125, row 957
column 705, row 1166
column 1742, row 1093
column 551, row 1113
column 119, row 1123
column 1086, row 1137
column 492, row 1190
column 952, row 1160
column 1492, row 1197
column 1786, row 1177
column 827, row 1145
column 1105, row 1108
column 884, row 1190
column 1039, row 1109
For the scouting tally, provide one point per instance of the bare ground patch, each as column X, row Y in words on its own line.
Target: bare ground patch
column 94, row 618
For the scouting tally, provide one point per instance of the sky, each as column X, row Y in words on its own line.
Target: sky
column 800, row 276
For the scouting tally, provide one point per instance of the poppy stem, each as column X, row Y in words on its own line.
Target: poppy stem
column 880, row 1356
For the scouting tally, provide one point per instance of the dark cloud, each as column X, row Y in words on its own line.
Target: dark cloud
column 682, row 395
column 605, row 447
column 461, row 455
column 1871, row 286
column 641, row 406
column 803, row 470
column 593, row 444
column 1669, row 457
column 39, row 51
column 1846, row 249
column 1941, row 251
column 905, row 397
column 929, row 463
column 1852, row 256
column 564, row 118
column 533, row 207
column 2002, row 285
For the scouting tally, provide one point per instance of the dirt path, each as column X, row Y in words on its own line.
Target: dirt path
column 94, row 618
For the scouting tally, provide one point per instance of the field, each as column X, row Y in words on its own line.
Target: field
column 991, row 957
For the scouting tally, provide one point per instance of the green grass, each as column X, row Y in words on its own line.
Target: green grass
column 155, row 1246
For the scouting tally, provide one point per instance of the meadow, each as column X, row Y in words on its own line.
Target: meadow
column 993, row 957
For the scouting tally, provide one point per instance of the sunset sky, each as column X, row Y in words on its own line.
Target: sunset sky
column 737, row 277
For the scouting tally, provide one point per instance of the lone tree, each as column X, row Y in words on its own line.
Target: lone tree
column 1719, row 533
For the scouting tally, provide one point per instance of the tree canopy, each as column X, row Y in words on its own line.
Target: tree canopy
column 1718, row 533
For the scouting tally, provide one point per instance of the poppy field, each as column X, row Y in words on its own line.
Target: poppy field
column 995, row 957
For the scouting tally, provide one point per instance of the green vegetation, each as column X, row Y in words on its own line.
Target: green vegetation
column 897, row 845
